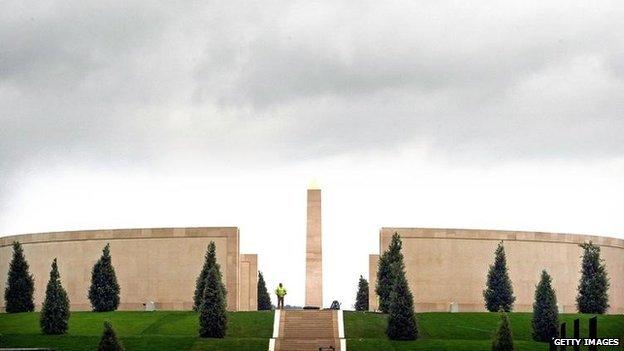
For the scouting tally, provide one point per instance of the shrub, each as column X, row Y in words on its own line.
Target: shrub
column 20, row 286
column 109, row 341
column 264, row 299
column 593, row 296
column 503, row 338
column 384, row 272
column 54, row 316
column 104, row 290
column 210, row 261
column 499, row 290
column 212, row 314
column 384, row 281
column 402, row 323
column 401, row 319
column 361, row 300
column 545, row 314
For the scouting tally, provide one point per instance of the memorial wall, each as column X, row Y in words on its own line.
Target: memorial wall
column 153, row 264
column 449, row 266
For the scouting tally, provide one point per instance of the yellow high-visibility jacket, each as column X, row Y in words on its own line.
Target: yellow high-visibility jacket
column 280, row 292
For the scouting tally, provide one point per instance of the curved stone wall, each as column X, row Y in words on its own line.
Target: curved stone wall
column 155, row 264
column 447, row 266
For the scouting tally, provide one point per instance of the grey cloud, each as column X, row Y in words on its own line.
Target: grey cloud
column 142, row 84
column 419, row 46
column 472, row 84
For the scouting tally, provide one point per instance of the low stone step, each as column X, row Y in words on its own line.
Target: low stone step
column 306, row 344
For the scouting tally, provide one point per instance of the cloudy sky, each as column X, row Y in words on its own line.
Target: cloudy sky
column 473, row 114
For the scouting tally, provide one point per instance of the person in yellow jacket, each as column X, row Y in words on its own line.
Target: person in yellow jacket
column 280, row 292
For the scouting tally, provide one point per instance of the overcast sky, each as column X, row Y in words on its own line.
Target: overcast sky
column 474, row 114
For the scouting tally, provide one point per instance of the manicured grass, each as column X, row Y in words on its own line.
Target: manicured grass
column 250, row 331
column 434, row 344
column 461, row 331
column 160, row 330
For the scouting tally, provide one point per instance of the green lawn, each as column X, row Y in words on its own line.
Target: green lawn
column 138, row 331
column 461, row 331
column 249, row 331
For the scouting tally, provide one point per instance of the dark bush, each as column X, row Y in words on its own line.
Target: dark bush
column 264, row 299
column 18, row 295
column 503, row 338
column 402, row 323
column 593, row 289
column 499, row 290
column 361, row 299
column 109, row 341
column 104, row 290
column 212, row 313
column 54, row 316
column 210, row 261
column 545, row 313
column 384, row 272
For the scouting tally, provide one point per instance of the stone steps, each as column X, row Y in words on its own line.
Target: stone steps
column 305, row 330
column 306, row 344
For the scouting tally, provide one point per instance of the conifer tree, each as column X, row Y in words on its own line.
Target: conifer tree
column 499, row 290
column 593, row 289
column 545, row 313
column 210, row 260
column 104, row 290
column 361, row 300
column 20, row 286
column 503, row 338
column 384, row 282
column 109, row 341
column 384, row 272
column 212, row 314
column 402, row 323
column 264, row 299
column 54, row 316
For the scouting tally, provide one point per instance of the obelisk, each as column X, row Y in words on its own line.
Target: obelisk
column 314, row 252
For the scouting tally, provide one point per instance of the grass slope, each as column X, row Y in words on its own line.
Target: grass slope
column 461, row 331
column 139, row 331
column 250, row 331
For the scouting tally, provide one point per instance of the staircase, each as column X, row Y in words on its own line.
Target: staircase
column 308, row 330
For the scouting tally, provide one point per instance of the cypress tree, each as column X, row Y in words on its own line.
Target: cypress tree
column 384, row 281
column 401, row 318
column 210, row 260
column 20, row 286
column 264, row 299
column 104, row 290
column 499, row 290
column 54, row 316
column 361, row 300
column 503, row 338
column 545, row 314
column 593, row 296
column 109, row 341
column 384, row 272
column 212, row 314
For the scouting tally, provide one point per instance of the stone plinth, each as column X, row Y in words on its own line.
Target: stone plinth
column 248, row 286
column 373, row 299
